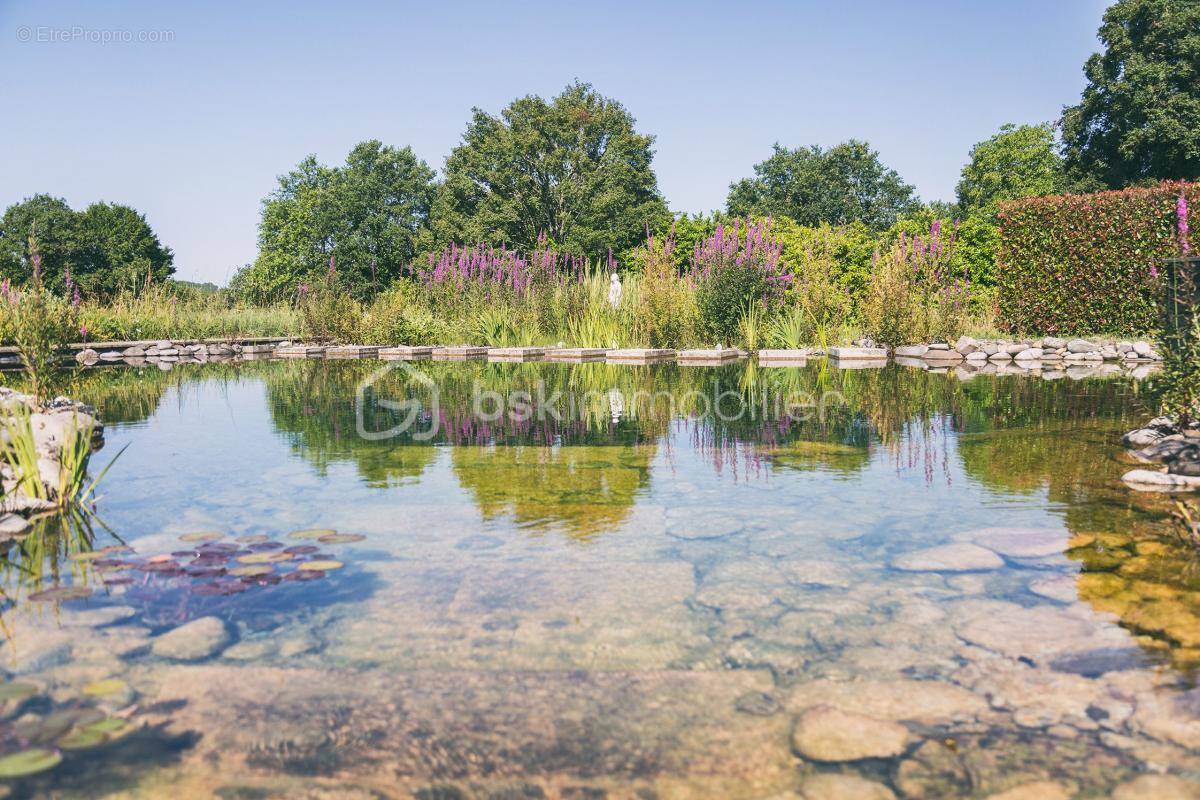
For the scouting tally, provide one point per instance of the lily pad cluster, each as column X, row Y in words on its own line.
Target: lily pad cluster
column 34, row 743
column 212, row 564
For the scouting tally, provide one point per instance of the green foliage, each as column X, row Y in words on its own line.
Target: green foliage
column 665, row 307
column 1139, row 117
column 788, row 330
column 839, row 255
column 327, row 311
column 395, row 319
column 722, row 297
column 844, row 184
column 918, row 293
column 367, row 215
column 38, row 322
column 573, row 169
column 976, row 240
column 104, row 248
column 820, row 290
column 1178, row 385
column 169, row 311
column 1019, row 161
column 1084, row 264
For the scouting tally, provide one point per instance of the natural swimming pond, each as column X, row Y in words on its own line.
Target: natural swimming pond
column 587, row 581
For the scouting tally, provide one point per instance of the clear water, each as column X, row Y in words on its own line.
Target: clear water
column 644, row 596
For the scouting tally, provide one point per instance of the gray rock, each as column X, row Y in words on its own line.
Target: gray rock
column 1157, row 787
column 1143, row 349
column 961, row 557
column 1032, row 354
column 1162, row 450
column 837, row 786
column 1053, row 342
column 911, row 351
column 197, row 640
column 1152, row 481
column 1081, row 346
column 13, row 525
column 966, row 345
column 827, row 734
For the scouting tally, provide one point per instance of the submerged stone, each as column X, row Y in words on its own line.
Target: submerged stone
column 194, row 641
column 828, row 734
column 949, row 558
column 835, row 786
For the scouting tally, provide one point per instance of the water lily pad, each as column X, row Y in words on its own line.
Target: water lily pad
column 82, row 740
column 185, row 553
column 322, row 566
column 110, row 725
column 264, row 558
column 90, row 555
column 15, row 690
column 312, row 533
column 304, row 575
column 202, row 536
column 341, row 538
column 29, row 762
column 105, row 687
column 160, row 566
column 205, row 572
column 301, row 549
column 118, row 581
column 221, row 547
column 208, row 589
column 262, row 580
column 264, row 546
column 251, row 570
column 253, row 538
column 62, row 593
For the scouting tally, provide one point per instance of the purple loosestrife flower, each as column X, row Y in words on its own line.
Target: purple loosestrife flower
column 76, row 300
column 83, row 331
column 1181, row 216
column 332, row 267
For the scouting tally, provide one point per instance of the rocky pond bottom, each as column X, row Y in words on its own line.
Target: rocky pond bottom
column 929, row 589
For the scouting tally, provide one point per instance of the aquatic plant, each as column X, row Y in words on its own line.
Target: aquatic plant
column 18, row 447
column 739, row 263
column 1186, row 517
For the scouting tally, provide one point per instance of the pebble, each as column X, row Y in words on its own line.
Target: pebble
column 835, row 786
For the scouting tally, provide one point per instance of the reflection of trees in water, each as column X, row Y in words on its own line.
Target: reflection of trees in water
column 585, row 489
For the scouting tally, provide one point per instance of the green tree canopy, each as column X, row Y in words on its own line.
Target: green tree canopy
column 366, row 215
column 1139, row 117
column 574, row 169
column 1019, row 161
column 105, row 248
column 810, row 185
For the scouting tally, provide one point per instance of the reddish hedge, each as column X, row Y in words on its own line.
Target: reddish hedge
column 1084, row 264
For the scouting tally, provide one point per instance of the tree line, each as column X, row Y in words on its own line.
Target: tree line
column 575, row 174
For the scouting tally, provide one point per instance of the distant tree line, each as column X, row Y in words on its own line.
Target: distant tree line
column 574, row 174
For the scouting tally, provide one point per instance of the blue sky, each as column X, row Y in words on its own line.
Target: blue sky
column 193, row 130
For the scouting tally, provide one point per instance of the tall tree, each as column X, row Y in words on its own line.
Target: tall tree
column 104, row 248
column 60, row 236
column 574, row 169
column 123, row 250
column 1019, row 161
column 810, row 185
column 366, row 215
column 1139, row 117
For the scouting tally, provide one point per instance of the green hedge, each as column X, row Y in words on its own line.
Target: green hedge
column 1084, row 264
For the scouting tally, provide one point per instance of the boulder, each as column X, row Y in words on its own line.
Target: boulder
column 839, row 786
column 911, row 351
column 194, row 641
column 961, row 557
column 827, row 734
column 966, row 345
column 1054, row 343
column 1143, row 349
column 1147, row 480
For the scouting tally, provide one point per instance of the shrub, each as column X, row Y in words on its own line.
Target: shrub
column 1080, row 264
column 739, row 264
column 395, row 319
column 39, row 323
column 824, row 302
column 917, row 292
column 327, row 311
column 665, row 306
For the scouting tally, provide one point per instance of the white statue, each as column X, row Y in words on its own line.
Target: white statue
column 614, row 291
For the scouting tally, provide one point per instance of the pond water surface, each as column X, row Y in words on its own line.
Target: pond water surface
column 732, row 582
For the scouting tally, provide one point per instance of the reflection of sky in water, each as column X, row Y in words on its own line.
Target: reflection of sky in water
column 671, row 564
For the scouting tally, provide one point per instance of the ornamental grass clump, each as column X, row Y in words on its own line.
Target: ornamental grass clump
column 739, row 264
column 665, row 307
column 917, row 293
